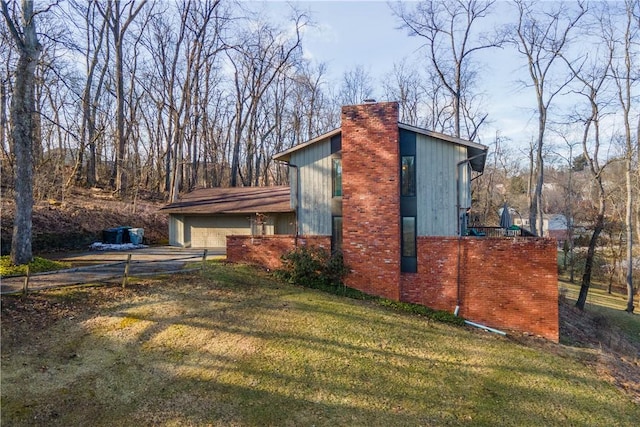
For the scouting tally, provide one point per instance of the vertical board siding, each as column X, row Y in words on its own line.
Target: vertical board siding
column 285, row 224
column 176, row 230
column 314, row 164
column 436, row 185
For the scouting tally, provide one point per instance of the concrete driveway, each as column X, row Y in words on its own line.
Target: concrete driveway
column 102, row 266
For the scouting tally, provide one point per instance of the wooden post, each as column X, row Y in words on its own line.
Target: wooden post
column 125, row 278
column 25, row 286
column 204, row 259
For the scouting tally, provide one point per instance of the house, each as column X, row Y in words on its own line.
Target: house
column 394, row 199
column 377, row 184
column 205, row 217
column 553, row 225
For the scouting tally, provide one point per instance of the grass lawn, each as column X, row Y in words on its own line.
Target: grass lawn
column 607, row 306
column 236, row 348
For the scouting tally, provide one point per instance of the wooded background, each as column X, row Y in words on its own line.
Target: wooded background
column 156, row 98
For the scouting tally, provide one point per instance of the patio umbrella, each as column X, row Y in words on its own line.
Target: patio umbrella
column 505, row 217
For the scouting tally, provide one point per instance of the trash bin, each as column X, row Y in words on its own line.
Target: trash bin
column 124, row 231
column 112, row 236
column 136, row 235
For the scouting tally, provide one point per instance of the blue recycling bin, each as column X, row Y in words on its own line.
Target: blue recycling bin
column 136, row 235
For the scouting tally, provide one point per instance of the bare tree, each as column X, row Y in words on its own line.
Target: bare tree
column 119, row 17
column 22, row 26
column 356, row 86
column 542, row 37
column 6, row 52
column 569, row 201
column 593, row 78
column 625, row 76
column 96, row 60
column 450, row 31
column 264, row 53
column 404, row 85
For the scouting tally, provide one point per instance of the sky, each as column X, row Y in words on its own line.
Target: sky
column 347, row 34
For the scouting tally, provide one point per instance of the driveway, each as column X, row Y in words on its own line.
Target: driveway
column 102, row 266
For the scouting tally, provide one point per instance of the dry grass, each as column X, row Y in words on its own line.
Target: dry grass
column 236, row 348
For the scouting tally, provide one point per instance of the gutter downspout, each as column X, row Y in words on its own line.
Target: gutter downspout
column 459, row 209
column 297, row 201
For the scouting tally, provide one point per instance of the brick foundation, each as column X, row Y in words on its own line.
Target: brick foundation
column 266, row 251
column 371, row 197
column 504, row 283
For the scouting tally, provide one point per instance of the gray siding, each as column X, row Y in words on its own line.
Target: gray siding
column 176, row 230
column 285, row 224
column 314, row 167
column 436, row 162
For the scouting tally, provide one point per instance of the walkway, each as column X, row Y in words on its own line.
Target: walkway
column 103, row 266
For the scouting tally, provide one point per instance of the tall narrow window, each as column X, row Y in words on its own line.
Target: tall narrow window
column 408, row 178
column 336, row 234
column 336, row 177
column 408, row 236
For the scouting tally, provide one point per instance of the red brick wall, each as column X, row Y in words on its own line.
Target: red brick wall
column 504, row 283
column 266, row 251
column 371, row 197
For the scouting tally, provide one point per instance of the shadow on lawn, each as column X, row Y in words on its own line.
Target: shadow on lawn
column 208, row 352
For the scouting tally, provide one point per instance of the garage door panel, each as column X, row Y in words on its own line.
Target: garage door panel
column 211, row 232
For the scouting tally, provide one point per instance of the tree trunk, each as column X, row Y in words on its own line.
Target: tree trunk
column 120, row 140
column 588, row 266
column 23, row 129
column 629, row 227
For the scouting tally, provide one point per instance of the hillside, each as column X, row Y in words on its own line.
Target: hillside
column 231, row 345
column 78, row 220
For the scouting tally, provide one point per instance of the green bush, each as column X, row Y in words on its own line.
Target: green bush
column 313, row 267
column 38, row 265
column 316, row 268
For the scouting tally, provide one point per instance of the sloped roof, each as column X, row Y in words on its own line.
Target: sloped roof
column 475, row 151
column 237, row 200
column 285, row 156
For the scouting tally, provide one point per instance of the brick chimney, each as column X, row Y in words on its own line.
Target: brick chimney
column 371, row 197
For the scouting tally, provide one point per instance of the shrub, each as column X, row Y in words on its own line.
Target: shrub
column 316, row 268
column 313, row 267
column 38, row 265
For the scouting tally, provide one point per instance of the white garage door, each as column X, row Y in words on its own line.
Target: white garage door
column 211, row 232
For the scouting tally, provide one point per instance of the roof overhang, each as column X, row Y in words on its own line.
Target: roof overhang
column 477, row 153
column 236, row 200
column 285, row 156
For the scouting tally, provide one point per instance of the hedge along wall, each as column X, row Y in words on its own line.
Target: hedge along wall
column 267, row 251
column 507, row 283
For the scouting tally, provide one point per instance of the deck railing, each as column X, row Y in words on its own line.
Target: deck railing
column 513, row 231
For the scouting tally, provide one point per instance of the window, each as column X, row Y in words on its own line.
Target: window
column 408, row 236
column 408, row 177
column 336, row 234
column 336, row 177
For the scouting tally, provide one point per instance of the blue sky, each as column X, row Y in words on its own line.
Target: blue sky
column 348, row 34
column 365, row 33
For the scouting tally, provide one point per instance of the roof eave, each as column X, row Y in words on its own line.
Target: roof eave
column 474, row 150
column 285, row 156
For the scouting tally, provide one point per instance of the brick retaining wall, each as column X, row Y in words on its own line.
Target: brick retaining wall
column 504, row 283
column 267, row 250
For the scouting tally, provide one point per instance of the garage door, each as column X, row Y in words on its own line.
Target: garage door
column 211, row 232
